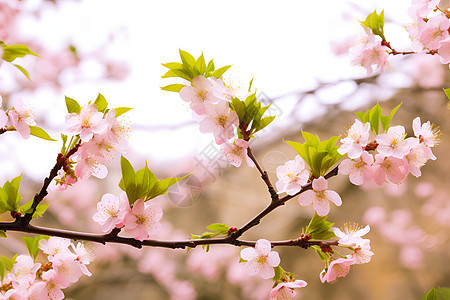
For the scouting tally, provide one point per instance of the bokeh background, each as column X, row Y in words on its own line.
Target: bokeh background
column 296, row 51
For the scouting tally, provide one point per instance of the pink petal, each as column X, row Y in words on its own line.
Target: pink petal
column 273, row 259
column 248, row 254
column 333, row 197
column 253, row 267
column 266, row 271
column 263, row 247
column 322, row 207
column 320, row 184
column 307, row 198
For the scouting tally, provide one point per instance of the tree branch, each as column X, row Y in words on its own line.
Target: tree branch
column 264, row 176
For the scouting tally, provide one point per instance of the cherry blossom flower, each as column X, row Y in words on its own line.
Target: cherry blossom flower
column 117, row 132
column 200, row 93
column 111, row 211
column 362, row 255
column 351, row 235
column 226, row 91
column 392, row 168
column 21, row 118
column 219, row 120
column 434, row 31
column 24, row 271
column 68, row 269
column 87, row 123
column 261, row 259
column 417, row 157
column 291, row 176
column 89, row 163
column 359, row 170
column 52, row 287
column 356, row 139
column 424, row 7
column 285, row 290
column 236, row 152
column 54, row 246
column 429, row 134
column 393, row 142
column 337, row 268
column 444, row 51
column 143, row 220
column 320, row 197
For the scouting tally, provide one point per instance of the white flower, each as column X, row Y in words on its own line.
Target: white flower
column 357, row 137
column 292, row 175
column 261, row 259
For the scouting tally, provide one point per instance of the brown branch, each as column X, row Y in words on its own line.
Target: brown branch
column 3, row 130
column 61, row 161
column 274, row 204
column 112, row 237
column 264, row 176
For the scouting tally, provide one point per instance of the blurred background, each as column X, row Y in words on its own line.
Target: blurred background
column 296, row 52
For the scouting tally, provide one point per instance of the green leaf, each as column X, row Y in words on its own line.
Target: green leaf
column 209, row 68
column 220, row 227
column 219, row 72
column 319, row 228
column 173, row 87
column 32, row 244
column 40, row 133
column 101, row 103
column 443, row 293
column 264, row 122
column 3, row 234
column 11, row 189
column 278, row 273
column 200, row 65
column 187, row 58
column 374, row 118
column 72, row 106
column 173, row 65
column 40, row 209
column 431, row 295
column 179, row 73
column 376, row 23
column 14, row 51
column 447, row 93
column 6, row 265
column 121, row 110
column 24, row 72
column 241, row 260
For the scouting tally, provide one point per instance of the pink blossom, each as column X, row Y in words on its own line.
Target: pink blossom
column 392, row 168
column 351, row 235
column 53, row 287
column 444, row 51
column 429, row 134
column 356, row 139
column 359, row 170
column 411, row 257
column 68, row 269
column 337, row 268
column 54, row 246
column 261, row 259
column 143, row 220
column 417, row 158
column 89, row 163
column 291, row 176
column 362, row 255
column 424, row 7
column 21, row 117
column 24, row 270
column 87, row 123
column 84, row 252
column 285, row 290
column 117, row 132
column 369, row 52
column 226, row 92
column 320, row 197
column 219, row 120
column 200, row 93
column 393, row 143
column 111, row 211
column 39, row 291
column 434, row 31
column 236, row 152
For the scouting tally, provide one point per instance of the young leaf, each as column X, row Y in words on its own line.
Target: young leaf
column 374, row 118
column 219, row 72
column 173, row 87
column 3, row 234
column 220, row 227
column 72, row 106
column 447, row 93
column 32, row 244
column 173, row 65
column 376, row 23
column 6, row 265
column 40, row 133
column 24, row 72
column 121, row 110
column 101, row 103
column 209, row 68
column 14, row 51
column 187, row 59
column 200, row 65
column 319, row 228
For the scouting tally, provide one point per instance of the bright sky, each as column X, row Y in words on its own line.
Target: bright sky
column 285, row 45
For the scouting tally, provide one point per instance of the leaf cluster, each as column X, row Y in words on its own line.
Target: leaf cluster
column 250, row 113
column 143, row 184
column 375, row 22
column 10, row 198
column 374, row 117
column 319, row 228
column 319, row 155
column 437, row 294
column 216, row 228
column 189, row 68
column 12, row 52
column 100, row 102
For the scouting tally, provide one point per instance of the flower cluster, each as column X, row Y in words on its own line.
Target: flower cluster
column 369, row 53
column 429, row 31
column 209, row 99
column 19, row 117
column 397, row 155
column 350, row 237
column 102, row 137
column 140, row 221
column 293, row 175
column 30, row 280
